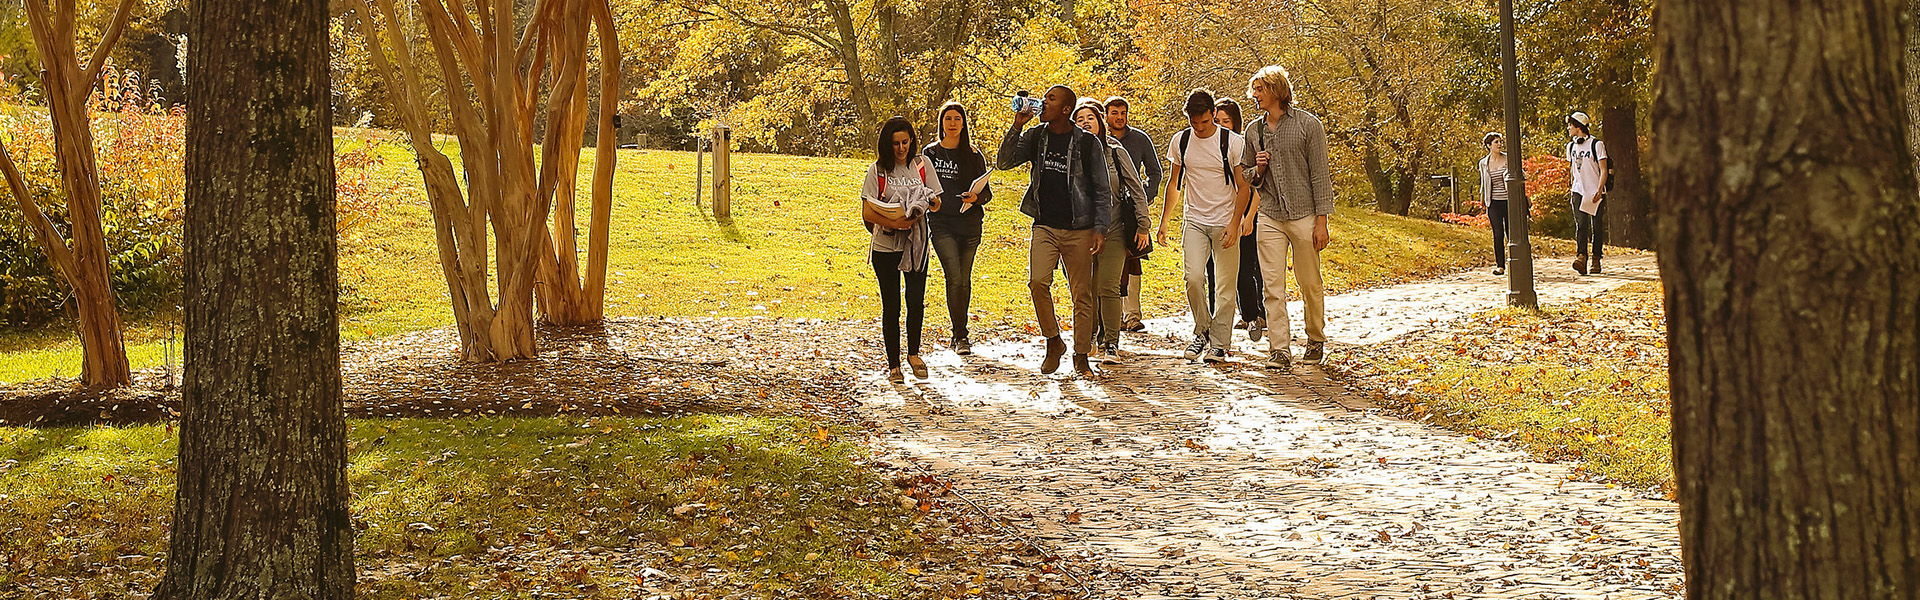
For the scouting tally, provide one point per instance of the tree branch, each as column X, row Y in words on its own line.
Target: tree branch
column 100, row 53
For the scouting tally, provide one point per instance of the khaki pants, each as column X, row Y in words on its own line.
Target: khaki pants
column 1212, row 319
column 1275, row 240
column 1072, row 250
column 1108, row 267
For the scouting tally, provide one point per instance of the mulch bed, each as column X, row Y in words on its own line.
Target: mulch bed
column 629, row 366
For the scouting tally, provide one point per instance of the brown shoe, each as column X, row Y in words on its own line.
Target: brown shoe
column 919, row 366
column 1580, row 264
column 1081, row 366
column 1055, row 349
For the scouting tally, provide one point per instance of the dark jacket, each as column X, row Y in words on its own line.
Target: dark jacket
column 1146, row 160
column 1087, row 184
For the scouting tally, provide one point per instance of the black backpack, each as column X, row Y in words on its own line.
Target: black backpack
column 1186, row 135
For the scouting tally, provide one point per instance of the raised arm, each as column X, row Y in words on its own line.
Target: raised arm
column 1013, row 151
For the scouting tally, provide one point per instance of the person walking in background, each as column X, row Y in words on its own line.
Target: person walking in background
column 1286, row 163
column 1146, row 162
column 1068, row 199
column 899, row 190
column 1253, row 313
column 1128, row 204
column 955, row 228
column 1587, row 176
column 1204, row 178
column 1493, row 195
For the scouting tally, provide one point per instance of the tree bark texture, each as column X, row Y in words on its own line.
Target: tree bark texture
column 1790, row 249
column 83, row 264
column 261, row 506
column 1630, row 209
column 1630, row 216
column 499, row 87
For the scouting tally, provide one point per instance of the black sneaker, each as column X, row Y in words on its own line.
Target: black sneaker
column 962, row 347
column 1279, row 359
column 1316, row 351
column 1197, row 348
column 1055, row 348
column 1216, row 355
column 1110, row 354
column 1499, row 270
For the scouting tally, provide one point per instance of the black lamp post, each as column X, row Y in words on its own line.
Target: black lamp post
column 1519, row 249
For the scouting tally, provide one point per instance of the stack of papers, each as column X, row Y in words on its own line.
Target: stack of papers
column 892, row 210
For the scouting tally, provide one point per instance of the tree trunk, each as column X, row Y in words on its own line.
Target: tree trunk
column 1377, row 176
column 510, row 193
column 956, row 27
column 1789, row 244
column 1913, row 76
column 261, row 508
column 1630, row 210
column 83, row 265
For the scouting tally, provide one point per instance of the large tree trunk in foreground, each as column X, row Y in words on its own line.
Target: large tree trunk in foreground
column 1790, row 248
column 262, row 501
column 68, row 82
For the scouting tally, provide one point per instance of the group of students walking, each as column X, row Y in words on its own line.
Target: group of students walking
column 1265, row 187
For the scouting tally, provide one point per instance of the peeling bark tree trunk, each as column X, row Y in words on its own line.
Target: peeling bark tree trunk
column 1790, row 248
column 83, row 265
column 261, row 508
column 495, row 77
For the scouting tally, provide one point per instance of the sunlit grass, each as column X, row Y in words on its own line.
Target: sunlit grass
column 777, row 500
column 1586, row 382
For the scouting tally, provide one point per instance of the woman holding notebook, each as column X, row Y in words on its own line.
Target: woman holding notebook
column 899, row 190
column 955, row 226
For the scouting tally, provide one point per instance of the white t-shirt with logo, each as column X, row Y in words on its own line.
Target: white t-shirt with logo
column 1584, row 155
column 1208, row 192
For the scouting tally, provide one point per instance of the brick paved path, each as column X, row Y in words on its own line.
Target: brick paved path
column 1187, row 481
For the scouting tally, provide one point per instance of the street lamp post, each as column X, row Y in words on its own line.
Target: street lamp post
column 1519, row 250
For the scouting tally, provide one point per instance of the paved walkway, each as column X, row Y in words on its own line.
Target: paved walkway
column 1187, row 481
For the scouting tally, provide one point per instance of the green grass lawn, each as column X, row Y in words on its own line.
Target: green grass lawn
column 1585, row 382
column 794, row 248
column 779, row 502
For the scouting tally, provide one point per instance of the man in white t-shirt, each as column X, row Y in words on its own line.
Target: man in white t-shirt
column 1213, row 219
column 1587, row 166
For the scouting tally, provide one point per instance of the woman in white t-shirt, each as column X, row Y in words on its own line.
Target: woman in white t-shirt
column 899, row 190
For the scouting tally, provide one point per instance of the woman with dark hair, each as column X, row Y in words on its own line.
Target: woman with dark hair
column 899, row 190
column 1253, row 313
column 1493, row 195
column 1128, row 200
column 956, row 226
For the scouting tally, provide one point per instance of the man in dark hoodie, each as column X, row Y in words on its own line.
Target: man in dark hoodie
column 1067, row 200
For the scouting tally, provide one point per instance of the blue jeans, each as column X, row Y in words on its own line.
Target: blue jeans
column 956, row 242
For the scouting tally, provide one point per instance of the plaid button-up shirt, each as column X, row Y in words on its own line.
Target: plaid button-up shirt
column 1297, row 184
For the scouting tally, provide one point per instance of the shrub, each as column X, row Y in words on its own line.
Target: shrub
column 1546, row 197
column 140, row 145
